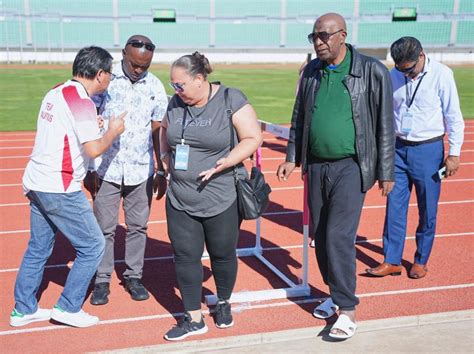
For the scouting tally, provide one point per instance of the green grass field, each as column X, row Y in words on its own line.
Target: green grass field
column 270, row 89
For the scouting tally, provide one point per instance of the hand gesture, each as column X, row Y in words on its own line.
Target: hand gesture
column 100, row 121
column 220, row 166
column 117, row 124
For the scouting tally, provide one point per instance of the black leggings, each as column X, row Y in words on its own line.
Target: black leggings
column 188, row 234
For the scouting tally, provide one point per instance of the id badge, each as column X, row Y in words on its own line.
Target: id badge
column 407, row 123
column 181, row 157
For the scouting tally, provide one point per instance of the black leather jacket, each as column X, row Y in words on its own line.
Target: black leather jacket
column 371, row 94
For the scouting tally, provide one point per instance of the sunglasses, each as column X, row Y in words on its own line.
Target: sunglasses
column 407, row 70
column 323, row 36
column 136, row 43
column 177, row 87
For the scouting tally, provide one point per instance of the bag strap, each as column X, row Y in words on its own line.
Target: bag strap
column 228, row 111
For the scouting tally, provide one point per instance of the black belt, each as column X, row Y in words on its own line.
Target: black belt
column 416, row 143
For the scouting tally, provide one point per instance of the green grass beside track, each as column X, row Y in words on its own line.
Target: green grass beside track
column 270, row 89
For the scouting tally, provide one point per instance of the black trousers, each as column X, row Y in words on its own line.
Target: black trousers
column 335, row 200
column 188, row 234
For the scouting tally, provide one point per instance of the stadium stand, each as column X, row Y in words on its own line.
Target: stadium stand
column 226, row 24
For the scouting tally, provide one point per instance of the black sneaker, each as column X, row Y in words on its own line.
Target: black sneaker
column 186, row 327
column 100, row 294
column 223, row 314
column 136, row 289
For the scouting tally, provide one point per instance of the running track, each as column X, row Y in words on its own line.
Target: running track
column 449, row 285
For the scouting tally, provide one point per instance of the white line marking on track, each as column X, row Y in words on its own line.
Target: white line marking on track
column 276, row 188
column 14, row 232
column 15, row 147
column 11, row 169
column 237, row 308
column 13, row 157
column 13, row 204
column 279, row 248
column 8, row 140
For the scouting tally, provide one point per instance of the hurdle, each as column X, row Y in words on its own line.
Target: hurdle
column 293, row 289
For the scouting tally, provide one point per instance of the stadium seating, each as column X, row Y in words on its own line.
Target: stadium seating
column 61, row 24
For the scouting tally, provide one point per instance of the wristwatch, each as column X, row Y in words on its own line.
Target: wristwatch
column 164, row 154
column 161, row 173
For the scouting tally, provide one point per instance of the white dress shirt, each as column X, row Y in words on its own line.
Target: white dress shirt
column 435, row 109
column 130, row 158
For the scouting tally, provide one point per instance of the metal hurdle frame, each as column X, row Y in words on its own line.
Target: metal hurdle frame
column 293, row 289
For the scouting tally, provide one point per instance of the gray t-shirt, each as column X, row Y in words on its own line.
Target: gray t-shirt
column 208, row 136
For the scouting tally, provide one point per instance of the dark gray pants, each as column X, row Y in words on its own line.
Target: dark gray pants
column 136, row 204
column 335, row 200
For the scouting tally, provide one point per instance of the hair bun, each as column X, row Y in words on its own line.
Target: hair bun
column 203, row 61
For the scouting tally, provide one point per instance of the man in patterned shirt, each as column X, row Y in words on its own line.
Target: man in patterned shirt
column 126, row 169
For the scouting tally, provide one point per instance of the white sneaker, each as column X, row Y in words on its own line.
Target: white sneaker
column 18, row 319
column 78, row 319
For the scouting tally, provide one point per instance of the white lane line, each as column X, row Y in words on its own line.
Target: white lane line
column 11, row 169
column 15, row 147
column 239, row 308
column 451, row 180
column 415, row 204
column 467, row 201
column 276, row 188
column 263, row 158
column 14, row 232
column 269, row 249
column 273, row 189
column 14, row 157
column 13, row 204
column 8, row 140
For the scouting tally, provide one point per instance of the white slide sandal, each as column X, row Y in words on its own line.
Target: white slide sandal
column 343, row 324
column 325, row 310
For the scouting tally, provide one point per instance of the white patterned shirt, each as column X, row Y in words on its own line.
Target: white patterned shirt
column 130, row 158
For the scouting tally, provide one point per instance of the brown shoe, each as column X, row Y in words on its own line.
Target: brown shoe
column 418, row 271
column 385, row 269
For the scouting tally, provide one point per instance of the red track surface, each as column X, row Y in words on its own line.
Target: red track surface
column 449, row 285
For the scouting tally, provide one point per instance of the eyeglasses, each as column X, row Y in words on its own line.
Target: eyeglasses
column 112, row 75
column 136, row 43
column 177, row 87
column 407, row 70
column 323, row 36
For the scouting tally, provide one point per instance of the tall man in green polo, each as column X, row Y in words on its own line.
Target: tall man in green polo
column 342, row 135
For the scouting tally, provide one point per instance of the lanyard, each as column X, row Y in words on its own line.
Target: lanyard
column 410, row 100
column 186, row 111
column 183, row 125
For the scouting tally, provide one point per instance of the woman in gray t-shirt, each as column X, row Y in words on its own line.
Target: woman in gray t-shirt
column 201, row 204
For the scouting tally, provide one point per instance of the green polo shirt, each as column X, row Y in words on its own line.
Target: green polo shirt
column 332, row 134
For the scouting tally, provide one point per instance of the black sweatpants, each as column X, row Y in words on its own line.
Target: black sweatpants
column 188, row 234
column 335, row 200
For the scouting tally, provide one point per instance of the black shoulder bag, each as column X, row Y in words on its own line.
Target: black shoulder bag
column 252, row 194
